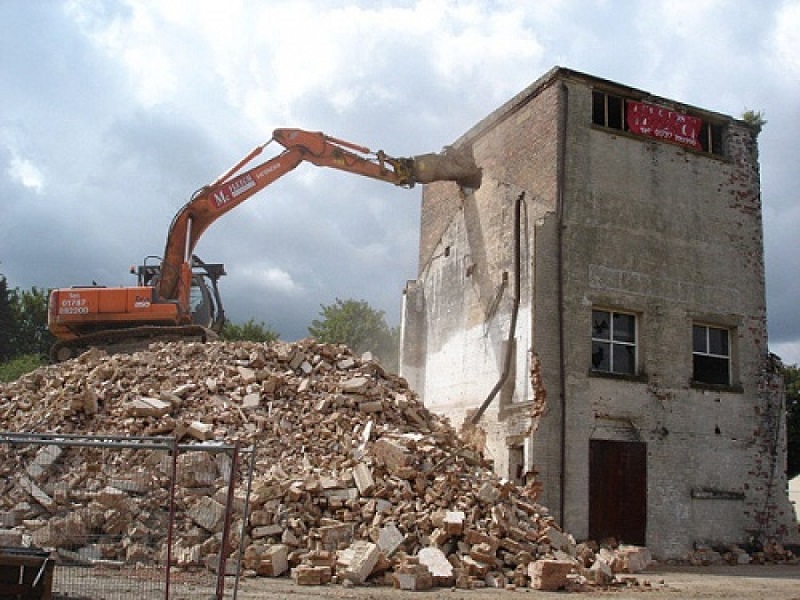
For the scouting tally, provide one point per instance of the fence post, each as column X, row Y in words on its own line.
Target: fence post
column 170, row 525
column 245, row 518
column 223, row 553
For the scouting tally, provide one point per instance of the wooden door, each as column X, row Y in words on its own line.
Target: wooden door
column 618, row 491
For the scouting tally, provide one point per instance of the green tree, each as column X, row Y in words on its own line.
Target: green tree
column 19, row 366
column 29, row 309
column 359, row 326
column 791, row 378
column 7, row 329
column 249, row 331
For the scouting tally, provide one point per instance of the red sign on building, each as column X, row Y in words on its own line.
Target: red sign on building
column 662, row 123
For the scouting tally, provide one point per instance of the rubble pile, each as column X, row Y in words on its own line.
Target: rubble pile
column 354, row 479
column 770, row 551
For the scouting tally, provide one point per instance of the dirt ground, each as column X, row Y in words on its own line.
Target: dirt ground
column 753, row 582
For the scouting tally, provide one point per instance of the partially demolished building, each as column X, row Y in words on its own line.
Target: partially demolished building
column 597, row 309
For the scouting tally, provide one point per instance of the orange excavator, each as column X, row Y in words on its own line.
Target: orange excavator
column 177, row 296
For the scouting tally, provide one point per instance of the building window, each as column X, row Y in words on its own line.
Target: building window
column 613, row 342
column 607, row 110
column 710, row 138
column 711, row 355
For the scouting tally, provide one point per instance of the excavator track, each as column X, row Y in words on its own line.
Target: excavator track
column 129, row 340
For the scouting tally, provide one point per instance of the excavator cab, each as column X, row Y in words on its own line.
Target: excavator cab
column 204, row 298
column 205, row 302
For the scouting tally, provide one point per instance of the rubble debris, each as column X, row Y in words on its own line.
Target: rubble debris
column 267, row 560
column 770, row 551
column 354, row 479
column 356, row 562
column 435, row 561
column 412, row 576
column 549, row 575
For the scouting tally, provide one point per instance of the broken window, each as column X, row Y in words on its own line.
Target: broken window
column 710, row 138
column 711, row 355
column 613, row 342
column 607, row 110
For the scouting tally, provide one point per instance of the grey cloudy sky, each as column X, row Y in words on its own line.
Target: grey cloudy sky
column 115, row 112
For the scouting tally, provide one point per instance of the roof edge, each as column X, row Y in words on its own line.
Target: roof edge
column 558, row 73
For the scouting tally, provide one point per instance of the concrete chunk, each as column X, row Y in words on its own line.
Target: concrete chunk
column 332, row 536
column 549, row 575
column 267, row 561
column 600, row 572
column 346, row 363
column 389, row 539
column 11, row 518
column 266, row 531
column 195, row 469
column 37, row 493
column 355, row 385
column 296, row 360
column 488, row 493
column 248, row 375
column 362, row 474
column 9, row 537
column 148, row 407
column 411, row 575
column 310, row 575
column 357, row 561
column 559, row 540
column 372, row 406
column 200, row 431
column 634, row 558
column 111, row 497
column 440, row 568
column 454, row 522
column 45, row 458
column 251, row 400
column 391, row 453
column 208, row 514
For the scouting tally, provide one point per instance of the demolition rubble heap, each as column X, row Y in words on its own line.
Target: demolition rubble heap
column 354, row 479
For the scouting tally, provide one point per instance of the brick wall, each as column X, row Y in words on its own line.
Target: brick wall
column 669, row 234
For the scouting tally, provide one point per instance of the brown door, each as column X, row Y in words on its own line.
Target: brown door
column 618, row 491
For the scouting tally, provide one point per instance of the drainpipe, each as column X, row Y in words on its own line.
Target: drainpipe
column 562, row 151
column 512, row 329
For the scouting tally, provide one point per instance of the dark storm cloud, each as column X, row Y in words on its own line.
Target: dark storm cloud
column 115, row 112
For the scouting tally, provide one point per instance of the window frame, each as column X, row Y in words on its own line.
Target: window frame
column 614, row 343
column 707, row 354
column 606, row 119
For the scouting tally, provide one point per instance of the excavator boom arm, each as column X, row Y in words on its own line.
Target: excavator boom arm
column 235, row 186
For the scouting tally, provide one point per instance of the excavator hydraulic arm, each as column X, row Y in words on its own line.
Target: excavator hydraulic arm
column 235, row 186
column 178, row 298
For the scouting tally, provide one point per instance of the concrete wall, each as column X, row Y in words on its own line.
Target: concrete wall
column 622, row 222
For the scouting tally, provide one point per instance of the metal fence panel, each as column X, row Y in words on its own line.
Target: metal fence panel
column 127, row 517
